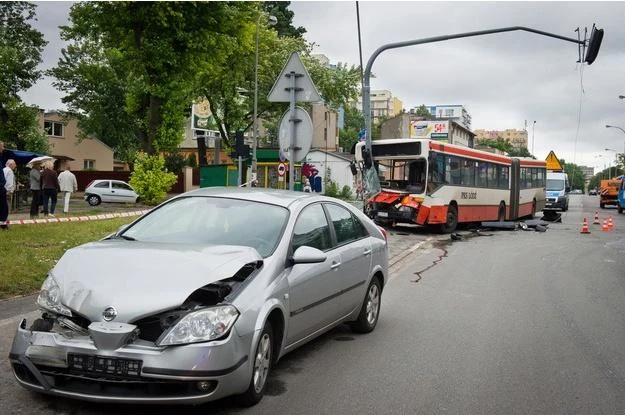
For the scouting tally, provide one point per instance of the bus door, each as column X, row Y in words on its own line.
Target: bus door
column 515, row 188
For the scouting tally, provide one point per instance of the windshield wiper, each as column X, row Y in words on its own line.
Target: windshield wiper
column 128, row 238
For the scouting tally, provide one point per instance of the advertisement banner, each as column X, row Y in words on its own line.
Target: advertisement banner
column 435, row 130
column 202, row 118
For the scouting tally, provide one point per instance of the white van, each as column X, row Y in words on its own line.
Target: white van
column 557, row 191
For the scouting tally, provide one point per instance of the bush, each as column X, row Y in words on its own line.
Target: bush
column 174, row 162
column 332, row 189
column 191, row 160
column 346, row 193
column 150, row 179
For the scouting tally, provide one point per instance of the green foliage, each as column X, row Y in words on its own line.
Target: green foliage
column 576, row 175
column 331, row 188
column 520, row 152
column 423, row 111
column 191, row 160
column 353, row 123
column 150, row 179
column 346, row 193
column 284, row 17
column 174, row 162
column 498, row 143
column 20, row 54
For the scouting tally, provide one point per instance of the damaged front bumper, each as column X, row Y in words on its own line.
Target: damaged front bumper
column 93, row 367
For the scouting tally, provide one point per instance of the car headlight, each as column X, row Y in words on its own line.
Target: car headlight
column 200, row 326
column 50, row 297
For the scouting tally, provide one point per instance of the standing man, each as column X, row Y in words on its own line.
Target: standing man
column 67, row 182
column 35, row 190
column 5, row 196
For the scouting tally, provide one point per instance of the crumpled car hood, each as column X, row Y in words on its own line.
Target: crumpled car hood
column 141, row 278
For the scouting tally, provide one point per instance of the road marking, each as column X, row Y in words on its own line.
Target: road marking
column 77, row 218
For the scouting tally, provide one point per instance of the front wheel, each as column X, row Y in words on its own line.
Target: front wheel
column 262, row 365
column 452, row 220
column 370, row 311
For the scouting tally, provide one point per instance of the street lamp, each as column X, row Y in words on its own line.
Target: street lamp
column 621, row 96
column 533, row 130
column 610, row 167
column 271, row 21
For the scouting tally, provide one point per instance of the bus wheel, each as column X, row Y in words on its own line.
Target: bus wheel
column 501, row 216
column 452, row 220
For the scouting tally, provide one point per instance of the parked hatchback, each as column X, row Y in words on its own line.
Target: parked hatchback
column 198, row 298
column 99, row 191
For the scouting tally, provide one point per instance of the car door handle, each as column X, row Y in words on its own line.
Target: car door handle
column 367, row 252
column 335, row 265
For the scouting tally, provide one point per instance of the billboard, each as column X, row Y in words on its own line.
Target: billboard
column 201, row 117
column 436, row 130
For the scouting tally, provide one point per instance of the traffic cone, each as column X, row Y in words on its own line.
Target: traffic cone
column 596, row 221
column 585, row 227
column 610, row 223
column 605, row 227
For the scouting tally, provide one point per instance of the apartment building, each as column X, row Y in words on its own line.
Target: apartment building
column 518, row 138
column 457, row 113
column 383, row 105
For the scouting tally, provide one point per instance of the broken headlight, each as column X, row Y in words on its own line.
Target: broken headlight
column 200, row 326
column 50, row 297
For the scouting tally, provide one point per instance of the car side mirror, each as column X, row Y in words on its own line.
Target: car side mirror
column 308, row 255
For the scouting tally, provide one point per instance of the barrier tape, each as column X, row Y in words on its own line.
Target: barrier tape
column 76, row 218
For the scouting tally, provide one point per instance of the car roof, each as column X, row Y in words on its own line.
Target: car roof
column 278, row 197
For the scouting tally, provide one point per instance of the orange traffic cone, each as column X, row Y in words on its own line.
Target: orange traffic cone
column 605, row 226
column 585, row 227
column 596, row 221
column 610, row 223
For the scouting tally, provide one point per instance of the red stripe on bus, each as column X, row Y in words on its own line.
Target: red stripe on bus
column 468, row 152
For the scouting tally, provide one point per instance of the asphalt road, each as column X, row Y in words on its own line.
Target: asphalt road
column 498, row 322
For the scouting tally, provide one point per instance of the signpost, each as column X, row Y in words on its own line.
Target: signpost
column 294, row 84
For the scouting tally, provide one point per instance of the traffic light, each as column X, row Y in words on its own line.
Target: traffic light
column 596, row 36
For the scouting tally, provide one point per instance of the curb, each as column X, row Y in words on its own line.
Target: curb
column 77, row 218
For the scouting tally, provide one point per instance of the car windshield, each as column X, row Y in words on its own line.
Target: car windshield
column 213, row 221
column 555, row 184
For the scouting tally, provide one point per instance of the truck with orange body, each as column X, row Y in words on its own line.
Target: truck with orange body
column 608, row 192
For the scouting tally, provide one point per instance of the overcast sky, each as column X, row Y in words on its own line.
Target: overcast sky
column 503, row 79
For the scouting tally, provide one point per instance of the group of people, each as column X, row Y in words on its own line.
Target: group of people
column 45, row 184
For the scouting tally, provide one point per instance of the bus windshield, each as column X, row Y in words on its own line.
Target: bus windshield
column 408, row 175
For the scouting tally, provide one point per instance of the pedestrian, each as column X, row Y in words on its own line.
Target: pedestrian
column 4, row 208
column 49, row 187
column 68, row 185
column 9, row 182
column 2, row 153
column 35, row 190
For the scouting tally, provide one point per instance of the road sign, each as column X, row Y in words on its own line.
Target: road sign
column 281, row 169
column 303, row 134
column 552, row 162
column 305, row 89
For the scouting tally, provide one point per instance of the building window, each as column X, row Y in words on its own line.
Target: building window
column 449, row 112
column 54, row 129
column 88, row 165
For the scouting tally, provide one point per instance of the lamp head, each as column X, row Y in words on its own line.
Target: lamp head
column 272, row 20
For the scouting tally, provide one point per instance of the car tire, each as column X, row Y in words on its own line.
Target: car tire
column 370, row 310
column 261, row 365
column 94, row 200
column 452, row 220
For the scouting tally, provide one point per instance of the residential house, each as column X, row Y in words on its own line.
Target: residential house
column 66, row 145
column 407, row 125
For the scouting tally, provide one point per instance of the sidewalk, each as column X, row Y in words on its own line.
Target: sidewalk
column 79, row 210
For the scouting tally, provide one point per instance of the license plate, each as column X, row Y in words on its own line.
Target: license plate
column 383, row 214
column 104, row 365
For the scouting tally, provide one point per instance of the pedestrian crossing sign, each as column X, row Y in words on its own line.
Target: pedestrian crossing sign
column 553, row 163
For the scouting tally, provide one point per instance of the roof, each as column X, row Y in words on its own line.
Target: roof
column 342, row 155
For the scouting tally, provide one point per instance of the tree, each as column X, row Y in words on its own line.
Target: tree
column 20, row 54
column 140, row 61
column 498, row 143
column 353, row 123
column 520, row 152
column 576, row 175
column 423, row 111
column 284, row 17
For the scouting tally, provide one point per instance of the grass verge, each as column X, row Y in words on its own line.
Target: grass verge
column 28, row 252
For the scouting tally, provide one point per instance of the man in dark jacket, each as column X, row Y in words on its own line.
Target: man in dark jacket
column 4, row 206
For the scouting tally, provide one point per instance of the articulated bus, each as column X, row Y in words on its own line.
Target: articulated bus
column 428, row 182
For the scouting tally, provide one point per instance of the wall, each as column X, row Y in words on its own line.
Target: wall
column 339, row 168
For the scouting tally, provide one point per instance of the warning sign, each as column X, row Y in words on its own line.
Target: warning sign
column 553, row 163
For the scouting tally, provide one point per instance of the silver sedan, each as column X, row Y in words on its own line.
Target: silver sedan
column 197, row 299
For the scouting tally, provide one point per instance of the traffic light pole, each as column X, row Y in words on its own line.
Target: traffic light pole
column 366, row 90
